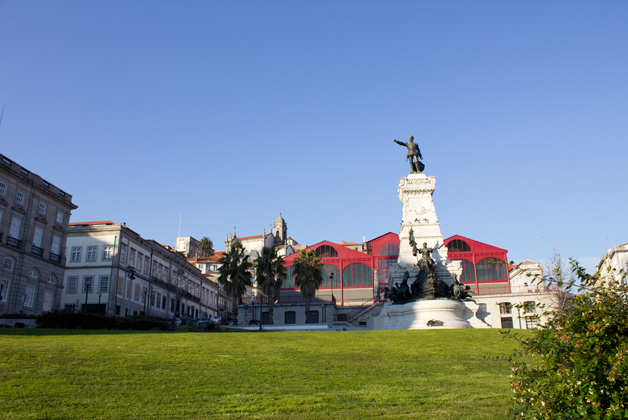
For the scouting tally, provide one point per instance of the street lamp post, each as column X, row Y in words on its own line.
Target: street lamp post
column 88, row 285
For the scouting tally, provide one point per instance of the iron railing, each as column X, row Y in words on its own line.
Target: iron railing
column 35, row 250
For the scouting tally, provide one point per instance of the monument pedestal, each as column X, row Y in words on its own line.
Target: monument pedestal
column 424, row 314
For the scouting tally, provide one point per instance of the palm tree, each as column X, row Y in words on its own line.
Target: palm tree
column 269, row 275
column 206, row 246
column 308, row 276
column 235, row 273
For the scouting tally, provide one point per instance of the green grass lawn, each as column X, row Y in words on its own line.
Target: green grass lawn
column 444, row 374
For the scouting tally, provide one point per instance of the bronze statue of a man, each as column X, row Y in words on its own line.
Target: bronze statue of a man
column 426, row 263
column 414, row 154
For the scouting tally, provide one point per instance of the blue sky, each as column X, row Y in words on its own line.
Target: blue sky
column 229, row 112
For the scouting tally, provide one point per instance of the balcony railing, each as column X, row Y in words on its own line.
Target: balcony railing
column 14, row 243
column 35, row 250
column 55, row 257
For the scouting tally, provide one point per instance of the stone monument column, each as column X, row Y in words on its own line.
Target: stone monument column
column 419, row 215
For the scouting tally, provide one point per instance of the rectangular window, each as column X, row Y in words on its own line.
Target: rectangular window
column 120, row 287
column 60, row 217
column 92, row 251
column 505, row 308
column 14, row 230
column 0, row 215
column 128, row 289
column 529, row 306
column 123, row 255
column 70, row 287
column 132, row 258
column 47, row 305
column 42, row 209
column 104, row 284
column 37, row 236
column 140, row 260
column 3, row 188
column 146, row 265
column 76, row 254
column 56, row 244
column 4, row 290
column 531, row 322
column 136, row 294
column 107, row 252
column 20, row 197
column 29, row 296
column 507, row 322
column 88, row 284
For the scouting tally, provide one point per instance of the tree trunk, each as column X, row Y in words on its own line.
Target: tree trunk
column 307, row 310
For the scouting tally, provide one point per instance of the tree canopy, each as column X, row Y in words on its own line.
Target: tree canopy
column 235, row 272
column 308, row 276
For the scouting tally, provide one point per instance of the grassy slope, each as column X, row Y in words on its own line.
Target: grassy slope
column 292, row 375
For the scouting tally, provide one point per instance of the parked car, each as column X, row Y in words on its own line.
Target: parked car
column 202, row 319
column 254, row 322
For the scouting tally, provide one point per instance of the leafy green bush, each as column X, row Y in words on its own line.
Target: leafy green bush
column 75, row 320
column 89, row 321
column 576, row 365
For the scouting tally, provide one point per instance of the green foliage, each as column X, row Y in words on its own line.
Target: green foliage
column 206, row 245
column 235, row 271
column 308, row 276
column 89, row 321
column 270, row 274
column 576, row 365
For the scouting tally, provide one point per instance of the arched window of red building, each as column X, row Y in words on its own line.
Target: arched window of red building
column 326, row 251
column 492, row 269
column 468, row 272
column 458, row 245
column 357, row 274
column 331, row 276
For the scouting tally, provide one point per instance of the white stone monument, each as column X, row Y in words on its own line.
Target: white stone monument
column 419, row 216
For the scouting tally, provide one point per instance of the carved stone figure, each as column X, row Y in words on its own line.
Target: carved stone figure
column 414, row 154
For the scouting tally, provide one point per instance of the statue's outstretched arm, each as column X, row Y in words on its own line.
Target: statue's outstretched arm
column 400, row 142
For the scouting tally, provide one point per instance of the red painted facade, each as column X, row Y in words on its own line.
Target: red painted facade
column 485, row 266
column 349, row 277
column 358, row 278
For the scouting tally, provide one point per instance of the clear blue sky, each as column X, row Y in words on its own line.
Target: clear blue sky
column 228, row 112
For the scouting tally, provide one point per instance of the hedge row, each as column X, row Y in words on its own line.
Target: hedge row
column 89, row 321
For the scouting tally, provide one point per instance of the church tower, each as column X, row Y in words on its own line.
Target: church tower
column 280, row 231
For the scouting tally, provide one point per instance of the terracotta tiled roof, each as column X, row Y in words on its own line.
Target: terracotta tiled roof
column 250, row 237
column 343, row 243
